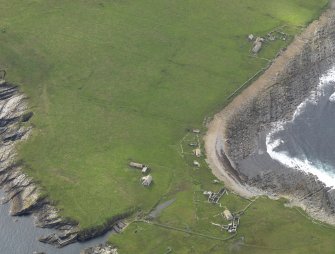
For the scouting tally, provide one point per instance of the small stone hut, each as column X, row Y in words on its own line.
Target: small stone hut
column 227, row 214
column 146, row 180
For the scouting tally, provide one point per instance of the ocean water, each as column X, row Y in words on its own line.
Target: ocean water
column 18, row 235
column 307, row 142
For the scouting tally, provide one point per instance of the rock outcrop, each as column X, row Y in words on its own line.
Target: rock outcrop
column 101, row 249
column 23, row 194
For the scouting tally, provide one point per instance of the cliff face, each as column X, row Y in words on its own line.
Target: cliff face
column 23, row 194
column 290, row 87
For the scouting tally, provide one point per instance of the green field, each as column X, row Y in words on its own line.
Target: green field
column 111, row 81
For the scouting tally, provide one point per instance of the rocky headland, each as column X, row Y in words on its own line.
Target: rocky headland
column 21, row 191
column 23, row 194
column 233, row 136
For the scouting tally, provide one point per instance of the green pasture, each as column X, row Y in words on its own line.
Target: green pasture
column 266, row 227
column 111, row 81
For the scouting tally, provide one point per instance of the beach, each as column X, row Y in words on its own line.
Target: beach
column 237, row 133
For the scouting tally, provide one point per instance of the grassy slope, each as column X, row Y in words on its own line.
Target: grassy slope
column 114, row 80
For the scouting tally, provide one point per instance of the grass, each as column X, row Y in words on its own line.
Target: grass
column 113, row 81
column 265, row 228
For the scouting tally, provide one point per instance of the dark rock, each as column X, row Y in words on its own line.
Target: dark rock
column 21, row 191
column 114, row 224
column 290, row 88
column 26, row 117
column 60, row 239
column 100, row 249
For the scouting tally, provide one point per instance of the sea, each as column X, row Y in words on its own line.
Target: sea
column 18, row 235
column 307, row 141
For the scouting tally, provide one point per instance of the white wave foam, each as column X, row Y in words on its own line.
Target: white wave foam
column 332, row 98
column 304, row 164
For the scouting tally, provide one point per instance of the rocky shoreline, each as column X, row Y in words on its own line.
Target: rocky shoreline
column 101, row 249
column 22, row 193
column 235, row 132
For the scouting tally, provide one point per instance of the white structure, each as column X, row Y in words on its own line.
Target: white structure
column 197, row 152
column 257, row 45
column 145, row 169
column 196, row 131
column 136, row 165
column 251, row 37
column 197, row 164
column 227, row 214
column 207, row 193
column 146, row 180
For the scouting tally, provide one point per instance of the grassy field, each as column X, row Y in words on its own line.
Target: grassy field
column 265, row 228
column 111, row 81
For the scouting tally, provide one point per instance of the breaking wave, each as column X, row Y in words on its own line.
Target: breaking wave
column 332, row 98
column 307, row 142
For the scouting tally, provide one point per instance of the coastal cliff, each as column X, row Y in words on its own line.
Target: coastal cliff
column 274, row 97
column 24, row 195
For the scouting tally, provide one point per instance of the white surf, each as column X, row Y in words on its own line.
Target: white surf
column 322, row 171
